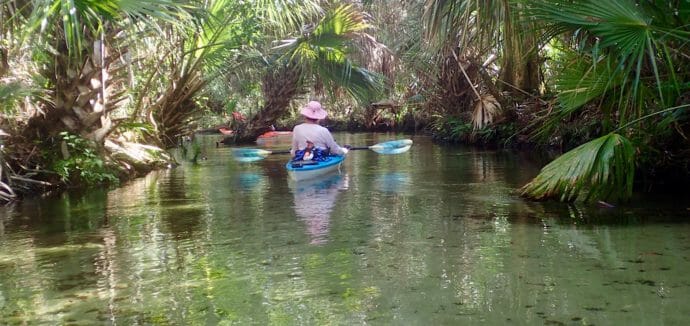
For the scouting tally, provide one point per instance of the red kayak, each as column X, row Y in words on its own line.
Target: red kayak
column 270, row 134
column 226, row 131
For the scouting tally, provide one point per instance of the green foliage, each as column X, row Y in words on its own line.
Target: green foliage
column 624, row 47
column 621, row 68
column 583, row 79
column 196, row 151
column 229, row 27
column 456, row 130
column 278, row 21
column 84, row 165
column 326, row 48
column 73, row 20
column 452, row 129
column 11, row 95
column 192, row 147
column 602, row 168
column 139, row 128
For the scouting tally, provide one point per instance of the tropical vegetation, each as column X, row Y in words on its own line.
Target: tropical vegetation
column 93, row 92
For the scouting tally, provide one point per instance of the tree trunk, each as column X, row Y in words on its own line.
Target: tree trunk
column 279, row 88
column 81, row 91
column 4, row 64
column 520, row 66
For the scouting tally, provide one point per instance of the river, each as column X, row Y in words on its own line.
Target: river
column 435, row 236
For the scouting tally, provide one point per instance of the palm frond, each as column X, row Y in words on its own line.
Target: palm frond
column 361, row 84
column 486, row 109
column 625, row 30
column 326, row 48
column 581, row 80
column 334, row 32
column 11, row 95
column 343, row 20
column 77, row 17
column 442, row 18
column 599, row 169
column 281, row 17
column 228, row 27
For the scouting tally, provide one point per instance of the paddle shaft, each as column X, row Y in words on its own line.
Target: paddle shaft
column 351, row 148
column 390, row 147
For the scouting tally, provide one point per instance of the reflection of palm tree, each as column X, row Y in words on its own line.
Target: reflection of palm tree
column 314, row 201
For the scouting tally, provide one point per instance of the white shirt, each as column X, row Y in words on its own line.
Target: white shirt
column 316, row 134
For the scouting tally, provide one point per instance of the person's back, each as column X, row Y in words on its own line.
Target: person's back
column 311, row 131
column 318, row 135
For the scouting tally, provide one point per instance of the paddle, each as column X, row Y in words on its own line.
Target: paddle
column 245, row 155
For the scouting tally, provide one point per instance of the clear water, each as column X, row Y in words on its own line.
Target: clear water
column 434, row 236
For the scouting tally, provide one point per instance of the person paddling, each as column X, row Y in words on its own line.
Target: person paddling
column 311, row 138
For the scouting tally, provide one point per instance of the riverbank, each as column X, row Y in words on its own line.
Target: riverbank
column 72, row 164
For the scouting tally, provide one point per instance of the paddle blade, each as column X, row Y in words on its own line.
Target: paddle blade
column 246, row 155
column 392, row 147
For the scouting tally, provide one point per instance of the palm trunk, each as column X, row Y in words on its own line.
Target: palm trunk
column 81, row 92
column 174, row 109
column 279, row 87
column 520, row 68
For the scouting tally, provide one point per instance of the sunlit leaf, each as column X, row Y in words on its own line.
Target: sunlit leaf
column 599, row 169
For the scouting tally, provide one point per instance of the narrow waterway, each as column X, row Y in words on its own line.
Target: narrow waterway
column 434, row 236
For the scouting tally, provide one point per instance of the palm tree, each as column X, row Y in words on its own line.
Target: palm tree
column 194, row 58
column 81, row 48
column 318, row 56
column 68, row 59
column 482, row 31
column 464, row 38
column 628, row 60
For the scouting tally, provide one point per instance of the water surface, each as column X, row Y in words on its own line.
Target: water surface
column 433, row 236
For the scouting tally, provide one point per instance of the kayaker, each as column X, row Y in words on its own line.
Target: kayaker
column 311, row 132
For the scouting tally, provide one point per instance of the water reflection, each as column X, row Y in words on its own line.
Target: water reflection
column 282, row 140
column 434, row 237
column 392, row 182
column 3, row 216
column 248, row 181
column 314, row 201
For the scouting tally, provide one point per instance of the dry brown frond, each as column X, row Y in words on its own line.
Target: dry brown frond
column 485, row 111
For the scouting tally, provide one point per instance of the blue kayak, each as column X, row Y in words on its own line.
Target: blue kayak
column 302, row 170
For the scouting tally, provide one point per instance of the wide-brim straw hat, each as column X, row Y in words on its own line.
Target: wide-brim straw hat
column 313, row 110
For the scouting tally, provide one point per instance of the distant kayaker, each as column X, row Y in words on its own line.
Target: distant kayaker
column 311, row 132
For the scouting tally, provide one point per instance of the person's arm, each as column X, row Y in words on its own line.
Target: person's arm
column 293, row 147
column 331, row 144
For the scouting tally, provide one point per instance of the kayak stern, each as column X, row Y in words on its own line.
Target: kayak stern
column 303, row 170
